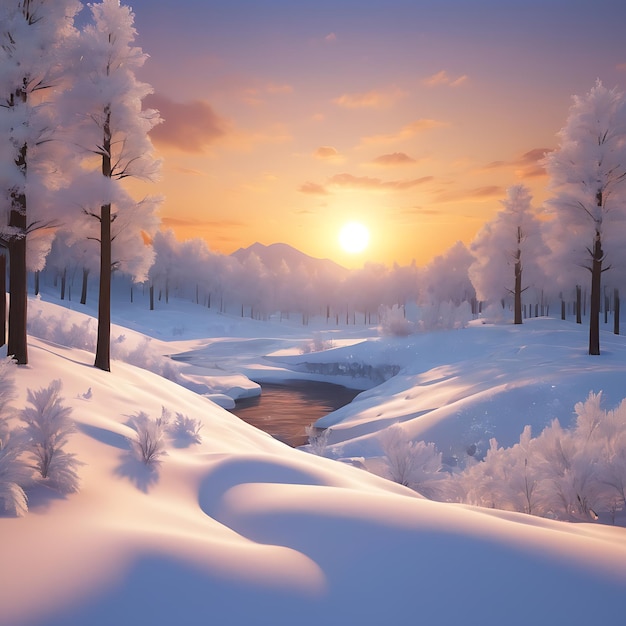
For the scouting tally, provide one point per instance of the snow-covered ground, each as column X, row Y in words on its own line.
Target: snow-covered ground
column 242, row 529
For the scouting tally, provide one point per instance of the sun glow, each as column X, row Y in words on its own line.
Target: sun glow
column 354, row 237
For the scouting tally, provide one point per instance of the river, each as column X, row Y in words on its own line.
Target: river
column 284, row 411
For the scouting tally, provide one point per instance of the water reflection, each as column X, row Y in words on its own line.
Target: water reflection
column 285, row 410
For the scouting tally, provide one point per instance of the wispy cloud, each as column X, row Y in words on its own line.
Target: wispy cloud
column 477, row 194
column 328, row 153
column 176, row 222
column 406, row 132
column 528, row 165
column 375, row 99
column 395, row 158
column 313, row 189
column 443, row 78
column 187, row 126
column 366, row 182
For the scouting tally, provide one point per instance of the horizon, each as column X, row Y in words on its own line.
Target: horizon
column 284, row 122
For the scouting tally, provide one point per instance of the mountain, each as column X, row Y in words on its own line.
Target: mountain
column 273, row 255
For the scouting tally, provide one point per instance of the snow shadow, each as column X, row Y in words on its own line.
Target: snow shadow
column 138, row 473
column 105, row 436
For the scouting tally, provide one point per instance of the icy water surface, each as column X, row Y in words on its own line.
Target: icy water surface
column 284, row 411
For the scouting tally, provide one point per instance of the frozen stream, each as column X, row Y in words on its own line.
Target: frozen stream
column 285, row 410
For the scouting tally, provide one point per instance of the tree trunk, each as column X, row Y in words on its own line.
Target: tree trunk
column 37, row 277
column 578, row 304
column 151, row 297
column 83, row 291
column 616, row 311
column 103, row 345
column 3, row 299
column 17, row 346
column 517, row 316
column 596, row 295
column 63, row 282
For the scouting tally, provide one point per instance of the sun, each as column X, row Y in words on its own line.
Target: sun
column 354, row 237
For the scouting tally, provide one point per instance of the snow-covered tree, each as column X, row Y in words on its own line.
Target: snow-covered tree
column 446, row 279
column 105, row 116
column 34, row 36
column 48, row 428
column 507, row 252
column 588, row 177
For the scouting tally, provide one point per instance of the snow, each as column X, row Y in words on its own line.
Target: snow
column 242, row 529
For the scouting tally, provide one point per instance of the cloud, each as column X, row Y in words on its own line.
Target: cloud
column 327, row 152
column 365, row 182
column 273, row 88
column 330, row 37
column 177, row 222
column 374, row 99
column 187, row 126
column 526, row 166
column 396, row 158
column 314, row 189
column 476, row 194
column 442, row 78
column 406, row 132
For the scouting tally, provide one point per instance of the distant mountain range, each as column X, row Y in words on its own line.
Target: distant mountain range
column 273, row 255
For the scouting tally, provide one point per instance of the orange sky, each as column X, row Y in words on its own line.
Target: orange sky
column 284, row 119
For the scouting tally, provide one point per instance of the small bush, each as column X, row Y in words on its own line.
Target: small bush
column 393, row 322
column 185, row 430
column 318, row 439
column 14, row 475
column 148, row 445
column 48, row 427
column 413, row 464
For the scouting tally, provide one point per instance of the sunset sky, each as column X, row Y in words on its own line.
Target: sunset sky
column 286, row 119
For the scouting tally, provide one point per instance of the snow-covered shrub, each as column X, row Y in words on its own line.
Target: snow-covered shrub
column 444, row 316
column 507, row 479
column 414, row 464
column 47, row 430
column 144, row 355
column 185, row 430
column 59, row 330
column 393, row 322
column 7, row 394
column 495, row 313
column 148, row 445
column 577, row 473
column 317, row 344
column 318, row 439
column 15, row 473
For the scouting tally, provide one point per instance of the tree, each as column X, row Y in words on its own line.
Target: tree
column 506, row 250
column 105, row 112
column 588, row 172
column 446, row 278
column 32, row 44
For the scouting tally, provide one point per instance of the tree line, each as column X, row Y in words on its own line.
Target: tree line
column 71, row 108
